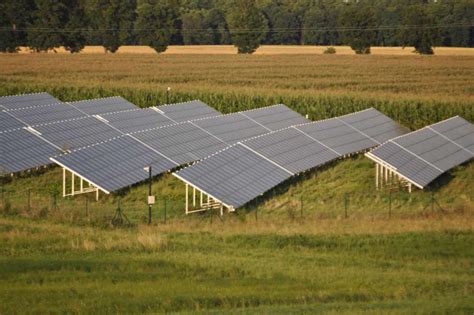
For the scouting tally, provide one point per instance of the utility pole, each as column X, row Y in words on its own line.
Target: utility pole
column 150, row 199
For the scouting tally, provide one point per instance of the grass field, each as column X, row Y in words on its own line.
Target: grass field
column 265, row 50
column 341, row 254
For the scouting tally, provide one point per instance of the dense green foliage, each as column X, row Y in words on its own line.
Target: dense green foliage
column 113, row 23
column 247, row 26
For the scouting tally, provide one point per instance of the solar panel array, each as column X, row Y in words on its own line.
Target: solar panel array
column 289, row 151
column 44, row 114
column 23, row 150
column 27, row 100
column 136, row 120
column 191, row 110
column 45, row 127
column 8, row 122
column 77, row 133
column 423, row 155
column 179, row 143
column 103, row 105
column 116, row 163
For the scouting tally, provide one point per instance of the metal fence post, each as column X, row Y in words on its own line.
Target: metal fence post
column 390, row 205
column 256, row 210
column 301, row 206
column 29, row 200
column 164, row 205
column 346, row 204
column 87, row 206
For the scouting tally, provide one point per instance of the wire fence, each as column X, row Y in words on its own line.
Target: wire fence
column 128, row 211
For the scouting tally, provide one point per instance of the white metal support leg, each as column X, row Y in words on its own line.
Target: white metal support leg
column 64, row 182
column 376, row 176
column 72, row 185
column 187, row 209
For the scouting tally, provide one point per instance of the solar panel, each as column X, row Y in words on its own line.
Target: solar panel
column 423, row 155
column 183, row 142
column 8, row 122
column 234, row 176
column 46, row 114
column 276, row 117
column 77, row 133
column 231, row 128
column 22, row 150
column 188, row 111
column 375, row 125
column 458, row 130
column 292, row 149
column 104, row 105
column 114, row 164
column 136, row 120
column 27, row 100
column 337, row 135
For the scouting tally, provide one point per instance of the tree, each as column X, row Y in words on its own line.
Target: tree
column 114, row 22
column 359, row 19
column 48, row 21
column 248, row 26
column 283, row 24
column 319, row 24
column 158, row 22
column 73, row 36
column 196, row 28
column 14, row 17
column 418, row 32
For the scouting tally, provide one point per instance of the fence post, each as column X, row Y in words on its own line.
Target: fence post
column 256, row 210
column 432, row 201
column 87, row 206
column 390, row 205
column 301, row 206
column 164, row 205
column 346, row 204
column 29, row 200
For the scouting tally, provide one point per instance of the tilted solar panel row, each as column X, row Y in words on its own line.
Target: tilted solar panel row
column 285, row 153
column 65, row 127
column 180, row 143
column 27, row 100
column 422, row 156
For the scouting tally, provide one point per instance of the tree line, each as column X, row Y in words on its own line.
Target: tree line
column 46, row 24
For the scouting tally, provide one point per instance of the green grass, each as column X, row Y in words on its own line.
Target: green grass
column 340, row 254
column 55, row 268
column 416, row 261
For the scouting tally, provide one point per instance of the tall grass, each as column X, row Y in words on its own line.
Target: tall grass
column 413, row 90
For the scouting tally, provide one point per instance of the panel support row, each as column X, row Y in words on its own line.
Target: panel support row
column 205, row 203
column 72, row 189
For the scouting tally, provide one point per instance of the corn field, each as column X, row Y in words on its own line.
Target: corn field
column 414, row 90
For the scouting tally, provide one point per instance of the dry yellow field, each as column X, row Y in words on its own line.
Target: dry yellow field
column 269, row 50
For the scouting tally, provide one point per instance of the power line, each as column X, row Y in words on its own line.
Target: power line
column 274, row 30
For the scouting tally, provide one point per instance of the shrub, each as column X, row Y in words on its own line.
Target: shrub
column 330, row 51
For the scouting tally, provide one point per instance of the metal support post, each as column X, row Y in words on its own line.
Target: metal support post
column 64, row 182
column 29, row 200
column 149, row 194
column 187, row 206
column 72, row 185
column 376, row 176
